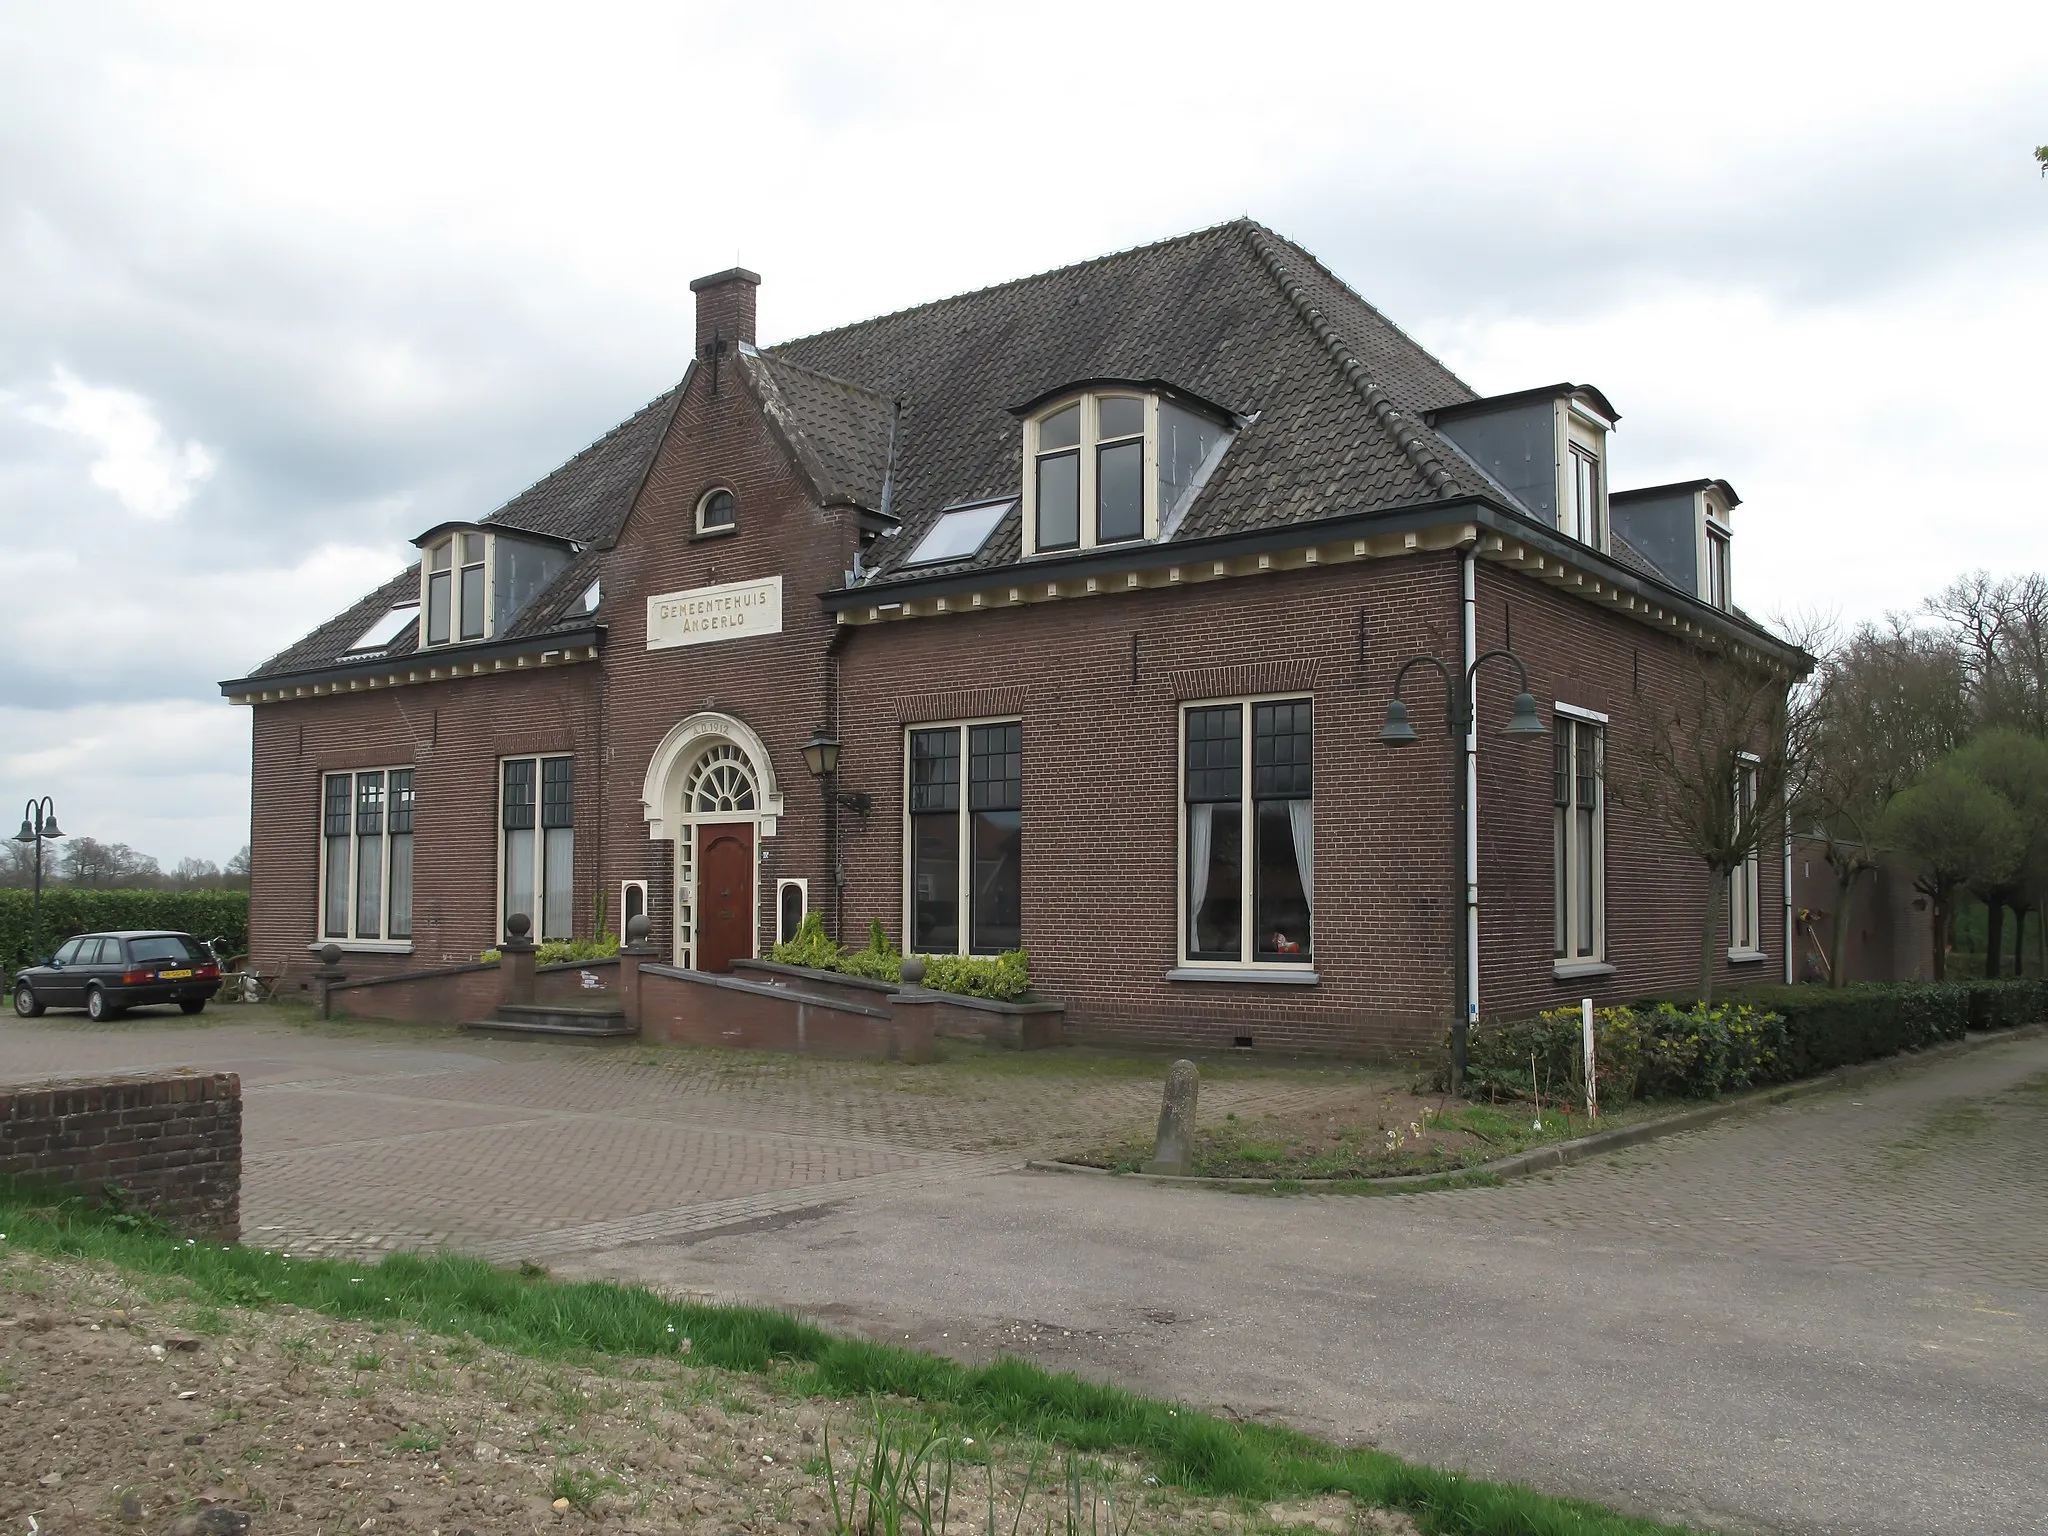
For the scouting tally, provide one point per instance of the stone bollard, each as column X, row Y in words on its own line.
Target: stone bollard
column 329, row 976
column 913, row 1034
column 633, row 954
column 1174, row 1149
column 515, row 968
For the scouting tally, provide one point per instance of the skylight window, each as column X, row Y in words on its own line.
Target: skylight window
column 388, row 630
column 592, row 595
column 959, row 532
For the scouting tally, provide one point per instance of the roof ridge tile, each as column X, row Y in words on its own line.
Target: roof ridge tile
column 1390, row 416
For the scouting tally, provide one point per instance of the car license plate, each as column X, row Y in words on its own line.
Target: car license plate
column 173, row 975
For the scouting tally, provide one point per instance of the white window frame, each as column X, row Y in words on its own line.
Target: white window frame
column 538, row 933
column 1570, row 889
column 783, row 932
column 1718, row 571
column 1090, row 403
column 626, row 887
column 1247, row 942
column 452, row 542
column 1582, row 432
column 963, row 879
column 1745, row 882
column 704, row 501
column 380, row 941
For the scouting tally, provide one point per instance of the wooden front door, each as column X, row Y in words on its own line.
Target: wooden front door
column 725, row 895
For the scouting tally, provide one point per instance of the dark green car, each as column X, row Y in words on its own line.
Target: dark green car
column 105, row 973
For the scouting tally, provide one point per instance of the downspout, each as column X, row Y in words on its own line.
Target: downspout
column 1786, row 891
column 1468, row 567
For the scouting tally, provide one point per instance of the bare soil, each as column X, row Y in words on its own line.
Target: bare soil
column 126, row 1408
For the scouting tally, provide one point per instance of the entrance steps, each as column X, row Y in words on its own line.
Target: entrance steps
column 571, row 1021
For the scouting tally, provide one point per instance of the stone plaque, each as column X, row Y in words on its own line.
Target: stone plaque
column 733, row 610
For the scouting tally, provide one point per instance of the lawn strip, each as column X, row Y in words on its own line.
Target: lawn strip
column 530, row 1314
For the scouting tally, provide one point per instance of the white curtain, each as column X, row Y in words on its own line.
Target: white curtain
column 1199, row 826
column 1301, row 817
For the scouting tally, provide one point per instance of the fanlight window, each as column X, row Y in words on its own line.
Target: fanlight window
column 720, row 781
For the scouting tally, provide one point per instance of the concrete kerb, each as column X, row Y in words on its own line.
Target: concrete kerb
column 1565, row 1153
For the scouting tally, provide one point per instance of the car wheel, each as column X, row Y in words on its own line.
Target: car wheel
column 192, row 1005
column 26, row 1003
column 96, row 1005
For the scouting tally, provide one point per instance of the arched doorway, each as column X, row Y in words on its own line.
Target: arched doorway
column 710, row 789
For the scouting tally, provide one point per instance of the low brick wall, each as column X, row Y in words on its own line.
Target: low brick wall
column 680, row 1007
column 172, row 1143
column 447, row 996
column 564, row 983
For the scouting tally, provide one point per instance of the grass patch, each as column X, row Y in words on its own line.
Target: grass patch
column 551, row 1319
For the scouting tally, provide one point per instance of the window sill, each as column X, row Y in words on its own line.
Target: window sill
column 1247, row 975
column 363, row 946
column 716, row 533
column 1746, row 956
column 1573, row 970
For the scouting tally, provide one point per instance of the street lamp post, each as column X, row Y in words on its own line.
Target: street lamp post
column 38, row 824
column 1458, row 714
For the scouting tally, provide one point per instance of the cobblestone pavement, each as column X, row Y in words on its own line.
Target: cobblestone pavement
column 362, row 1139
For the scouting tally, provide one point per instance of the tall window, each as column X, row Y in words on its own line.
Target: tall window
column 440, row 589
column 1578, row 814
column 1582, row 496
column 1110, row 468
column 966, row 889
column 1717, row 567
column 366, row 855
column 1744, row 930
column 537, row 812
column 478, row 581
column 1248, row 776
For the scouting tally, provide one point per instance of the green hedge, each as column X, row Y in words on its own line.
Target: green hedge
column 1662, row 1047
column 68, row 911
column 1001, row 977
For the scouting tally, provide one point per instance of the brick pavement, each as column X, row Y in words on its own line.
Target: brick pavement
column 364, row 1139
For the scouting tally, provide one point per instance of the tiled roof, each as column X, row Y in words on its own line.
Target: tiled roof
column 1634, row 558
column 330, row 642
column 920, row 405
column 838, row 433
column 1233, row 314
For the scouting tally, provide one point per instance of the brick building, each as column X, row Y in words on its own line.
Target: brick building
column 1098, row 583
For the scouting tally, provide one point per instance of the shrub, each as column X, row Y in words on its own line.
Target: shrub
column 571, row 951
column 1003, row 977
column 69, row 911
column 1648, row 1051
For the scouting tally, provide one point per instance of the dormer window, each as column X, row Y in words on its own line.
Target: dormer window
column 476, row 581
column 1108, row 467
column 1582, row 509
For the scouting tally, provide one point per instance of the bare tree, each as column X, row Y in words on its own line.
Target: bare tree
column 1885, row 707
column 236, row 875
column 193, row 874
column 89, row 862
column 2000, row 627
column 1734, row 724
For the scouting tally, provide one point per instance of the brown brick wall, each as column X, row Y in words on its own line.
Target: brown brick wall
column 451, row 997
column 1101, row 748
column 1597, row 659
column 172, row 1144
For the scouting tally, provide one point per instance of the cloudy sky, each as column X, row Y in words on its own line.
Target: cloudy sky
column 281, row 285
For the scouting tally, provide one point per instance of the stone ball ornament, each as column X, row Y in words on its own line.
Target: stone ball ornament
column 913, row 970
column 330, row 955
column 637, row 929
column 518, row 925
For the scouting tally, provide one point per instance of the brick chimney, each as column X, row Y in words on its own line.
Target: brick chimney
column 725, row 308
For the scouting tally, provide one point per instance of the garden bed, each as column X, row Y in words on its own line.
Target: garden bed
column 1372, row 1134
